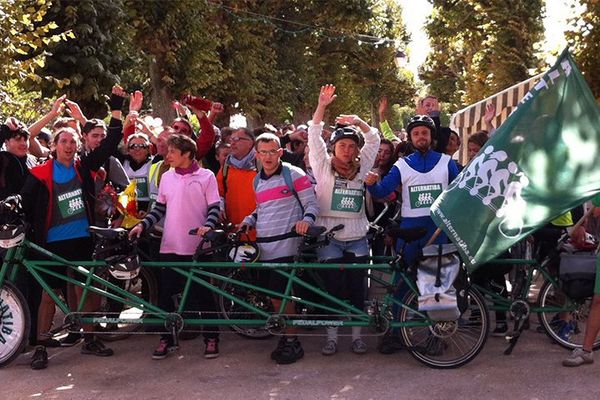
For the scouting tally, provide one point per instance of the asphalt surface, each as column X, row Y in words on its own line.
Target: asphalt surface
column 245, row 371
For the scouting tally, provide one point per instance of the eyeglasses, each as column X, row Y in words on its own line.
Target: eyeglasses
column 137, row 146
column 268, row 152
column 237, row 138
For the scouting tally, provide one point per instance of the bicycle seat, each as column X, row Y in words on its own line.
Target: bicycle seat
column 406, row 234
column 315, row 231
column 215, row 235
column 108, row 233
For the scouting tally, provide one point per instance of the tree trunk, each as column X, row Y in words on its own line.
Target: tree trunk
column 161, row 95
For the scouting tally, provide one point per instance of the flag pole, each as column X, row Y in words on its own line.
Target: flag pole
column 434, row 236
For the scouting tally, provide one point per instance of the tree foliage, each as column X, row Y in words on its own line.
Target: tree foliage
column 265, row 59
column 584, row 37
column 271, row 70
column 480, row 47
column 25, row 36
column 90, row 62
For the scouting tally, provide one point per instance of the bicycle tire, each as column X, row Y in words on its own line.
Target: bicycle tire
column 143, row 286
column 230, row 310
column 447, row 344
column 552, row 296
column 15, row 323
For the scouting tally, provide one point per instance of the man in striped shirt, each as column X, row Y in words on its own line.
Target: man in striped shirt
column 279, row 208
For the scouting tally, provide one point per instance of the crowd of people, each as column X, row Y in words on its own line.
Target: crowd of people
column 266, row 181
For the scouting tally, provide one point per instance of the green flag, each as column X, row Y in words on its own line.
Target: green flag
column 543, row 161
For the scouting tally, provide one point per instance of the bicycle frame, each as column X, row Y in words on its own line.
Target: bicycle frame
column 201, row 273
column 431, row 342
column 531, row 266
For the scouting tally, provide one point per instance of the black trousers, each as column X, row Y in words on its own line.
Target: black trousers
column 199, row 298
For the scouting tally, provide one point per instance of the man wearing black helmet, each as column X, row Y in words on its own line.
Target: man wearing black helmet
column 423, row 175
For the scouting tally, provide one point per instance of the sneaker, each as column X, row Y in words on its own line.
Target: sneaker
column 212, row 349
column 39, row 360
column 96, row 348
column 71, row 339
column 566, row 331
column 330, row 348
column 275, row 353
column 501, row 329
column 162, row 351
column 291, row 351
column 579, row 357
column 359, row 346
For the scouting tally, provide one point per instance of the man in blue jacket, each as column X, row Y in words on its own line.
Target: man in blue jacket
column 423, row 175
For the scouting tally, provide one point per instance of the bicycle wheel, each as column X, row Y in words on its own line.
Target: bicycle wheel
column 232, row 310
column 143, row 286
column 566, row 322
column 15, row 322
column 446, row 344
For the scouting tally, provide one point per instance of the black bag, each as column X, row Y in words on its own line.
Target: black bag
column 577, row 274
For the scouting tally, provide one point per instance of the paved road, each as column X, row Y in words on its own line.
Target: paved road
column 244, row 371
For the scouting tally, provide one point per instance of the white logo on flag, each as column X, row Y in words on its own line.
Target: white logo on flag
column 498, row 182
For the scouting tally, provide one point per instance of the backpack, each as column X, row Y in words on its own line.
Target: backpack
column 287, row 177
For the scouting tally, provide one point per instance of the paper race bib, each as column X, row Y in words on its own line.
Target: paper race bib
column 344, row 199
column 423, row 196
column 141, row 187
column 71, row 203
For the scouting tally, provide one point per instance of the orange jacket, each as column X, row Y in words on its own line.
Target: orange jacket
column 240, row 200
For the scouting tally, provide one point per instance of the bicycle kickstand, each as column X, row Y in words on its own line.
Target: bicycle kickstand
column 514, row 337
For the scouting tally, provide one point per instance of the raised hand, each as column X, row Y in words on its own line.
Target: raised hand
column 74, row 110
column 345, row 119
column 327, row 95
column 490, row 113
column 135, row 101
column 215, row 109
column 117, row 98
column 383, row 105
column 179, row 108
column 59, row 105
column 118, row 90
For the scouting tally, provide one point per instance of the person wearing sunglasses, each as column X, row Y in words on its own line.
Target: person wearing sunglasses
column 236, row 178
column 137, row 164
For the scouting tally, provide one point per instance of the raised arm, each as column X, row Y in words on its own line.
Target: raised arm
column 326, row 97
column 35, row 147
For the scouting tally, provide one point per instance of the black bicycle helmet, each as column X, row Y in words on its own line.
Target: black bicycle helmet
column 12, row 230
column 120, row 254
column 12, row 223
column 124, row 266
column 420, row 120
column 345, row 132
